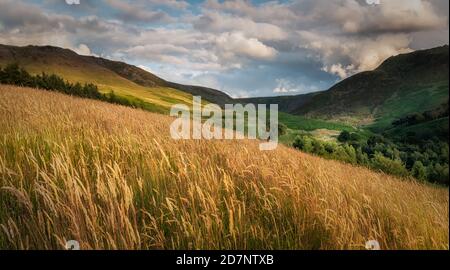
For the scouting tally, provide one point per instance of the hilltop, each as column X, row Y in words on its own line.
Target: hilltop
column 117, row 173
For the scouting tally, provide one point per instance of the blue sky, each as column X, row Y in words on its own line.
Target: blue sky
column 244, row 48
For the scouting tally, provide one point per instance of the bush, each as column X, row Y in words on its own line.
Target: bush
column 303, row 143
column 344, row 136
column 419, row 171
column 282, row 129
column 390, row 166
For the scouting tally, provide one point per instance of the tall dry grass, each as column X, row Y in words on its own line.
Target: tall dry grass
column 112, row 178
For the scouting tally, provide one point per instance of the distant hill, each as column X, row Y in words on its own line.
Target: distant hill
column 402, row 85
column 287, row 104
column 122, row 78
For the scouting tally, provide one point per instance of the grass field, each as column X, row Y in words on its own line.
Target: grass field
column 296, row 122
column 299, row 125
column 112, row 178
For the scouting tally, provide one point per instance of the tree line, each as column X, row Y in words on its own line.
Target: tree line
column 418, row 118
column 427, row 161
column 13, row 74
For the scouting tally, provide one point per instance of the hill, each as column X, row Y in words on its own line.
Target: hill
column 124, row 79
column 286, row 104
column 402, row 85
column 112, row 178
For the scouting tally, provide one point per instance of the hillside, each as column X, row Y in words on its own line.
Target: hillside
column 286, row 104
column 402, row 85
column 125, row 80
column 112, row 178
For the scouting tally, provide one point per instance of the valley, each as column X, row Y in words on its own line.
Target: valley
column 76, row 168
column 366, row 105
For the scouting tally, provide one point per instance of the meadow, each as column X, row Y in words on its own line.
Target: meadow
column 112, row 178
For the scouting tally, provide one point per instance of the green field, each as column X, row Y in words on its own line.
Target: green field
column 296, row 122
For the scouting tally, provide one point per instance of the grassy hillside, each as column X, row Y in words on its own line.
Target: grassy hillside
column 301, row 123
column 436, row 128
column 125, row 80
column 147, row 79
column 402, row 85
column 112, row 178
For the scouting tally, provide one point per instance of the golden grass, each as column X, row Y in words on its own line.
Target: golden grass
column 112, row 178
column 108, row 81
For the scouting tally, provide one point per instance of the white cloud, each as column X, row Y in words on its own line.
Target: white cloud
column 82, row 49
column 146, row 68
column 344, row 56
column 236, row 44
column 339, row 70
column 216, row 22
column 285, row 86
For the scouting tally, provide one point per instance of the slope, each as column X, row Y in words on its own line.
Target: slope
column 403, row 84
column 125, row 80
column 112, row 178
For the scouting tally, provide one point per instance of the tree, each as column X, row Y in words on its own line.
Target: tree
column 303, row 143
column 344, row 136
column 419, row 171
column 387, row 165
column 282, row 129
column 318, row 148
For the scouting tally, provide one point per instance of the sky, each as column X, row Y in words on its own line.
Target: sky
column 244, row 48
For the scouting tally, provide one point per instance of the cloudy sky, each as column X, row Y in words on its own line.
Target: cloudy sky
column 244, row 48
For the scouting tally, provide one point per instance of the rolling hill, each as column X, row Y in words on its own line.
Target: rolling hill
column 403, row 84
column 125, row 80
column 113, row 178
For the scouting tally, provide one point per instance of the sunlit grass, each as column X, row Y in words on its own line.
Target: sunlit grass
column 107, row 81
column 112, row 178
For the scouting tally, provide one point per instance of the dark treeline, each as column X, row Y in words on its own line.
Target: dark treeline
column 426, row 161
column 14, row 75
column 417, row 118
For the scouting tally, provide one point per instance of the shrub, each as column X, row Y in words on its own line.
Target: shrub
column 390, row 166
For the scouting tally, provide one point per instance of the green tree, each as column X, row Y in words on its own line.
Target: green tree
column 344, row 136
column 282, row 129
column 419, row 171
column 303, row 143
column 395, row 167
